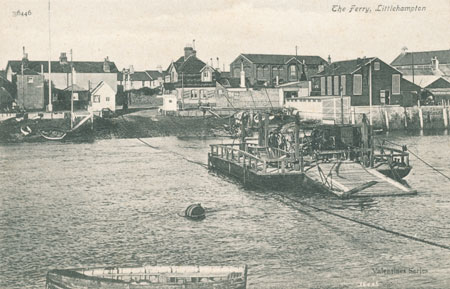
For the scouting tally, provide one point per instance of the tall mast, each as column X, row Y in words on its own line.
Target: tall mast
column 49, row 107
column 71, row 96
column 370, row 93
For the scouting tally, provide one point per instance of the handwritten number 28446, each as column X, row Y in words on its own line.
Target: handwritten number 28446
column 21, row 13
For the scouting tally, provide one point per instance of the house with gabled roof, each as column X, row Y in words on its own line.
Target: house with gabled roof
column 194, row 81
column 361, row 79
column 424, row 67
column 85, row 73
column 274, row 69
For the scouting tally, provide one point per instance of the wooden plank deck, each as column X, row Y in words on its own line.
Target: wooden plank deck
column 351, row 179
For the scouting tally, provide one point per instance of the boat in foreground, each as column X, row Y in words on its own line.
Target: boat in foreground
column 165, row 277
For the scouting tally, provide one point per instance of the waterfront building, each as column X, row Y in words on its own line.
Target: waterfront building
column 273, row 69
column 361, row 79
column 423, row 68
column 194, row 81
column 86, row 74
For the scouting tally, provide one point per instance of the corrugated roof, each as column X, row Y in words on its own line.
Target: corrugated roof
column 282, row 59
column 422, row 58
column 346, row 66
column 57, row 67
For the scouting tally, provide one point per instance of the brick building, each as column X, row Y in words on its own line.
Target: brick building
column 273, row 69
column 358, row 79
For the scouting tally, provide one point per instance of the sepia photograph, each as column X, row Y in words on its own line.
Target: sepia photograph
column 224, row 144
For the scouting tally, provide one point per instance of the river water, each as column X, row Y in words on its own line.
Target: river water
column 117, row 202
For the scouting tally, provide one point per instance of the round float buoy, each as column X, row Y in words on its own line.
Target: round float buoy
column 195, row 212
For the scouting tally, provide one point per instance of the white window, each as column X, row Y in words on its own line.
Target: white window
column 194, row 93
column 322, row 85
column 320, row 68
column 336, row 85
column 235, row 94
column 395, row 83
column 344, row 84
column 108, row 99
column 357, row 84
column 203, row 93
column 75, row 96
column 382, row 96
column 97, row 98
column 292, row 71
column 30, row 79
column 329, row 85
column 376, row 66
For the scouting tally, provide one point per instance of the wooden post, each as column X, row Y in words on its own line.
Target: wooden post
column 420, row 117
column 386, row 116
column 296, row 139
column 266, row 129
column 406, row 117
column 445, row 115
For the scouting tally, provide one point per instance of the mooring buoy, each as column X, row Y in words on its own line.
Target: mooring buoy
column 195, row 212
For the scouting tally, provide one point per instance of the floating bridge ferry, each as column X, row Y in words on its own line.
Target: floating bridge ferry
column 337, row 159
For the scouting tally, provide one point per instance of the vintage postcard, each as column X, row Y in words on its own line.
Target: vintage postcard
column 224, row 144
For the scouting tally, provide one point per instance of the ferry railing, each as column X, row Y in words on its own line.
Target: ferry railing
column 283, row 164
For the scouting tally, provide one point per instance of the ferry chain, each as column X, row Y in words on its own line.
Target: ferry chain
column 419, row 158
column 361, row 222
column 158, row 148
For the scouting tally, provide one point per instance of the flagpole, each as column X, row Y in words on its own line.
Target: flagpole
column 49, row 107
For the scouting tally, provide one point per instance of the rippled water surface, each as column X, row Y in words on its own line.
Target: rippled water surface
column 117, row 202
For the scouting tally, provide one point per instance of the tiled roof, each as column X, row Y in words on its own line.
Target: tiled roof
column 154, row 74
column 3, row 73
column 282, row 59
column 442, row 82
column 422, row 58
column 140, row 76
column 76, row 88
column 417, row 71
column 407, row 85
column 192, row 65
column 57, row 67
column 346, row 66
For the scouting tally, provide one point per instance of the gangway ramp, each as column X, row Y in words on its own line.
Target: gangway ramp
column 348, row 179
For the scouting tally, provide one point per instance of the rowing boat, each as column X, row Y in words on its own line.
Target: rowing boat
column 150, row 277
column 53, row 134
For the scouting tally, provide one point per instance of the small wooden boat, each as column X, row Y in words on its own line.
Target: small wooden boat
column 150, row 277
column 53, row 134
column 25, row 130
column 195, row 212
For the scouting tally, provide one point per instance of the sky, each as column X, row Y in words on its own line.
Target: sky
column 148, row 33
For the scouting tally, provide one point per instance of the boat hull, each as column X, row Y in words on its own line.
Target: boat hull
column 169, row 277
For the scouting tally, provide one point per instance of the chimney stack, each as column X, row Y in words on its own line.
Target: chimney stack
column 131, row 69
column 159, row 67
column 24, row 58
column 329, row 59
column 106, row 66
column 63, row 58
column 188, row 51
column 218, row 65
